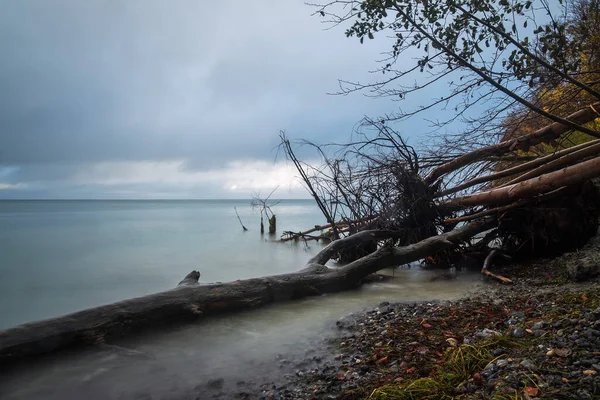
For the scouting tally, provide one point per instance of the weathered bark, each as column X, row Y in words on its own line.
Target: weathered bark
column 340, row 224
column 563, row 161
column 523, row 143
column 567, row 176
column 272, row 224
column 591, row 148
column 519, row 203
column 190, row 301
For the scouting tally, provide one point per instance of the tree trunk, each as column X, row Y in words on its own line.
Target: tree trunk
column 523, row 143
column 542, row 184
column 190, row 301
column 272, row 225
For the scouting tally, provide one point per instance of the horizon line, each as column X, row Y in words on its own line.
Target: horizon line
column 134, row 199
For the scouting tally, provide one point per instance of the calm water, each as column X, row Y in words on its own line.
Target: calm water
column 62, row 256
column 57, row 257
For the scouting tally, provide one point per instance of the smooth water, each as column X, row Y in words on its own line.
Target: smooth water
column 58, row 257
column 61, row 256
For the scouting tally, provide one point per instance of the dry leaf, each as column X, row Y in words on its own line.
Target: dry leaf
column 590, row 372
column 383, row 360
column 559, row 352
column 531, row 391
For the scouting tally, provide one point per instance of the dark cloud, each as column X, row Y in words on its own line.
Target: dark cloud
column 84, row 82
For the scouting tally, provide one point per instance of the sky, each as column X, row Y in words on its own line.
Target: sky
column 169, row 99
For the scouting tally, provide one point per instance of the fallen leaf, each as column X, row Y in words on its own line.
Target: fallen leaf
column 427, row 326
column 565, row 380
column 403, row 365
column 452, row 342
column 531, row 391
column 383, row 360
column 590, row 372
column 410, row 370
column 559, row 352
column 399, row 379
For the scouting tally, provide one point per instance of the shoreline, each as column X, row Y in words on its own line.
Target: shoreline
column 537, row 338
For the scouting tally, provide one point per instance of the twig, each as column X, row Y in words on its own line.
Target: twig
column 239, row 219
column 485, row 271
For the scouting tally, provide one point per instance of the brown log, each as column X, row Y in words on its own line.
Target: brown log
column 518, row 203
column 563, row 161
column 571, row 175
column 523, row 167
column 190, row 301
column 523, row 143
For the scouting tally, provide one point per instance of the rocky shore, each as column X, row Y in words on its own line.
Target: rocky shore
column 537, row 338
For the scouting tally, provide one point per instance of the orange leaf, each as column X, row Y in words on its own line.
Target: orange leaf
column 383, row 360
column 410, row 370
column 531, row 391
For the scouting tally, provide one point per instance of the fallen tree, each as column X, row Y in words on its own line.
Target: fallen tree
column 190, row 301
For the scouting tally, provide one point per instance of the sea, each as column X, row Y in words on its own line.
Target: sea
column 61, row 256
column 57, row 257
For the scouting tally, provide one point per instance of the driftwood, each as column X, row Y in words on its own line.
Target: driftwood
column 290, row 235
column 190, row 301
column 486, row 264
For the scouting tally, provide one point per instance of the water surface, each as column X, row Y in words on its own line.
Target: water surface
column 58, row 257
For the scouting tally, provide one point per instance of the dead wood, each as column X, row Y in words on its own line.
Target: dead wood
column 190, row 301
column 516, row 204
column 571, row 175
column 486, row 264
column 522, row 143
column 526, row 167
column 290, row 235
column 239, row 219
column 563, row 161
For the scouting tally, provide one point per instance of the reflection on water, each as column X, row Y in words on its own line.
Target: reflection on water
column 176, row 362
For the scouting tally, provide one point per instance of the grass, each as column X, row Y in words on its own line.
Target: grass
column 458, row 366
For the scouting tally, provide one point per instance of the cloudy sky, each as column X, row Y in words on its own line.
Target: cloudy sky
column 168, row 99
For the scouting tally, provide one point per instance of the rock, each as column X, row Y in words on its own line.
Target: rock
column 583, row 394
column 539, row 325
column 518, row 333
column 583, row 269
column 501, row 363
column 527, row 364
column 538, row 333
column 488, row 333
column 216, row 383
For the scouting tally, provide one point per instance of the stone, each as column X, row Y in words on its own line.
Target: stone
column 583, row 269
column 527, row 364
column 518, row 333
column 539, row 325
